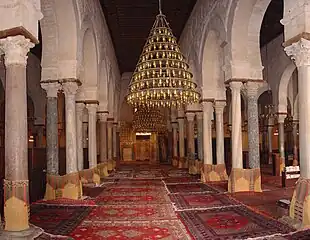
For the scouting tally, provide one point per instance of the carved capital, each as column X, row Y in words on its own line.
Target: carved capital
column 79, row 107
column 51, row 89
column 236, row 86
column 103, row 116
column 190, row 116
column 281, row 118
column 92, row 108
column 299, row 52
column 219, row 107
column 15, row 49
column 70, row 88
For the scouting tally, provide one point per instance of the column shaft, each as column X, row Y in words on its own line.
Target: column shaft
column 92, row 137
column 103, row 142
column 199, row 118
column 175, row 139
column 181, row 137
column 281, row 140
column 114, row 141
column 207, row 133
column 79, row 135
column 219, row 111
column 270, row 137
column 110, row 143
column 295, row 138
column 236, row 134
column 190, row 136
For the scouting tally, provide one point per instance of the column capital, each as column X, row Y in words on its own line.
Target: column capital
column 79, row 106
column 51, row 89
column 103, row 116
column 199, row 115
column 15, row 49
column 236, row 85
column 92, row 108
column 219, row 106
column 70, row 88
column 174, row 125
column 299, row 52
column 190, row 116
column 252, row 88
column 281, row 117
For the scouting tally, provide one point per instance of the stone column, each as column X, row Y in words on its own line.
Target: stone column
column 253, row 126
column 85, row 132
column 270, row 137
column 110, row 144
column 175, row 160
column 219, row 115
column 70, row 89
column 281, row 118
column 114, row 138
column 80, row 106
column 16, row 184
column 199, row 162
column 103, row 144
column 295, row 138
column 92, row 139
column 191, row 142
column 52, row 127
column 182, row 161
column 300, row 53
column 207, row 140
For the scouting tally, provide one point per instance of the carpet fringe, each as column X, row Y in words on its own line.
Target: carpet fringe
column 204, row 208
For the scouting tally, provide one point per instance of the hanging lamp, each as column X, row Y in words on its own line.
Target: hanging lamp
column 162, row 77
column 149, row 120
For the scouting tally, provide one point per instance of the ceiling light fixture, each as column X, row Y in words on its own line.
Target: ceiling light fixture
column 162, row 77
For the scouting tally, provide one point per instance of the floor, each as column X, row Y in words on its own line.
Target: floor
column 160, row 202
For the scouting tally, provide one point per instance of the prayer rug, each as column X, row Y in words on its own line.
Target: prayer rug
column 121, row 174
column 201, row 201
column 67, row 202
column 300, row 235
column 46, row 236
column 178, row 180
column 92, row 192
column 177, row 173
column 128, row 190
column 132, row 213
column 56, row 219
column 157, row 198
column 189, row 188
column 140, row 230
column 148, row 174
column 139, row 182
column 221, row 186
column 230, row 223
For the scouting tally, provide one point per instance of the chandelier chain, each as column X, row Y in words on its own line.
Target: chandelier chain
column 159, row 5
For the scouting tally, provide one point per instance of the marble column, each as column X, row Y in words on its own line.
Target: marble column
column 16, row 184
column 85, row 132
column 236, row 133
column 295, row 139
column 80, row 106
column 114, row 137
column 92, row 134
column 207, row 132
column 70, row 89
column 175, row 143
column 219, row 118
column 182, row 160
column 199, row 119
column 191, row 142
column 103, row 143
column 110, row 144
column 281, row 118
column 253, row 126
column 52, row 127
column 270, row 138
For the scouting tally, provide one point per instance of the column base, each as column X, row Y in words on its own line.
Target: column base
column 300, row 203
column 110, row 165
column 67, row 186
column 244, row 180
column 31, row 233
column 194, row 167
column 213, row 173
column 183, row 163
column 175, row 162
column 103, row 170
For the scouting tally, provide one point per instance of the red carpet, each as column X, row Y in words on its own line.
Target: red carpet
column 190, row 188
column 67, row 202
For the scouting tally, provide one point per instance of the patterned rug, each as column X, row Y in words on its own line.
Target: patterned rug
column 221, row 186
column 121, row 174
column 172, row 229
column 67, row 202
column 149, row 174
column 179, row 180
column 92, row 192
column 155, row 198
column 139, row 182
column 201, row 201
column 46, row 236
column 230, row 223
column 132, row 213
column 57, row 220
column 189, row 188
column 177, row 173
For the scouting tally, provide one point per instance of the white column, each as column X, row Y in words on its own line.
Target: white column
column 70, row 89
column 175, row 138
column 80, row 106
column 103, row 137
column 236, row 133
column 295, row 138
column 300, row 52
column 110, row 145
column 92, row 140
column 281, row 118
column 199, row 119
column 190, row 136
column 270, row 137
column 207, row 132
column 219, row 115
column 114, row 137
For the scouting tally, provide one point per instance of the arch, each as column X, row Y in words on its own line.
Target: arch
column 59, row 37
column 282, row 93
column 244, row 39
column 263, row 89
column 103, row 83
column 89, row 76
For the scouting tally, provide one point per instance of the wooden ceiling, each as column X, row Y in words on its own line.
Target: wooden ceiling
column 130, row 22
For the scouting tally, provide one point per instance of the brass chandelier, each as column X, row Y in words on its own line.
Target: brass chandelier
column 149, row 120
column 162, row 77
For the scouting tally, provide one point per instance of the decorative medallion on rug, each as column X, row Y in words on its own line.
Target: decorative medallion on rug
column 172, row 229
column 189, row 188
column 132, row 213
column 178, row 180
column 155, row 198
column 201, row 201
column 230, row 223
column 57, row 220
